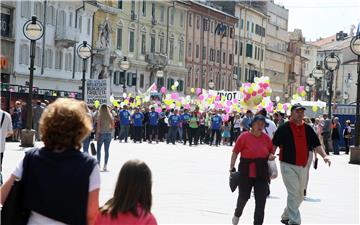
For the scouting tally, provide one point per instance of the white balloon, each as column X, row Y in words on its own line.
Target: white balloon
column 124, row 95
column 277, row 98
column 176, row 83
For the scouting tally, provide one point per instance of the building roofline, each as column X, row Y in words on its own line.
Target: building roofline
column 213, row 9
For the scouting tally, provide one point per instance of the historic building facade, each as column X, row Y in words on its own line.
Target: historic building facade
column 210, row 42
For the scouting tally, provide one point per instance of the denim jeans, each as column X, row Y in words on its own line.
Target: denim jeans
column 180, row 132
column 172, row 134
column 106, row 139
column 124, row 132
column 86, row 144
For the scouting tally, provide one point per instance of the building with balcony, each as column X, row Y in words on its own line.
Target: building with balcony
column 150, row 35
column 210, row 42
column 57, row 65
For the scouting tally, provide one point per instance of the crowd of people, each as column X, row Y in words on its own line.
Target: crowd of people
column 67, row 125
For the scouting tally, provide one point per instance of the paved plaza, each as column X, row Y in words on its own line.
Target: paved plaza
column 190, row 185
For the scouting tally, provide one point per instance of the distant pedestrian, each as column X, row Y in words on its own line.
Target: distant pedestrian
column 60, row 183
column 17, row 121
column 37, row 111
column 173, row 122
column 137, row 121
column 124, row 117
column 335, row 135
column 104, row 129
column 216, row 121
column 326, row 134
column 153, row 128
column 132, row 199
column 226, row 133
column 194, row 129
column 347, row 135
column 295, row 139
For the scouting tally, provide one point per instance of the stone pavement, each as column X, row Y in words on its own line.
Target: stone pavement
column 190, row 185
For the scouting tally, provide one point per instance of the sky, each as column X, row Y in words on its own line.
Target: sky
column 322, row 18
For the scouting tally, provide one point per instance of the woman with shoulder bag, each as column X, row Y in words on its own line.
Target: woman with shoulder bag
column 105, row 125
column 256, row 149
column 347, row 135
column 62, row 186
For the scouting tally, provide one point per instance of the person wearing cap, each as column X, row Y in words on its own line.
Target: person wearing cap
column 295, row 139
column 255, row 149
column 347, row 135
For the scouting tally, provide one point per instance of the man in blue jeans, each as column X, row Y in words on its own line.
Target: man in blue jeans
column 153, row 128
column 215, row 128
column 124, row 116
column 173, row 121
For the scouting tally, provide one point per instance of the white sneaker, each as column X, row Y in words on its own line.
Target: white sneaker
column 235, row 220
column 105, row 169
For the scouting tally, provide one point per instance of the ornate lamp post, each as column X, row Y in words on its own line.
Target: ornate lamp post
column 33, row 30
column 332, row 63
column 125, row 66
column 355, row 150
column 84, row 52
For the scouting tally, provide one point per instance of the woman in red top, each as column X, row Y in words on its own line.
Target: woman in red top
column 255, row 148
column 131, row 203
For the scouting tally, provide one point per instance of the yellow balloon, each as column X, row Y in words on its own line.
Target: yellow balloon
column 126, row 102
column 137, row 98
column 178, row 104
column 115, row 103
column 96, row 103
column 242, row 89
column 250, row 90
column 315, row 108
column 173, row 87
column 129, row 95
column 263, row 104
column 295, row 96
column 303, row 93
column 279, row 106
column 192, row 90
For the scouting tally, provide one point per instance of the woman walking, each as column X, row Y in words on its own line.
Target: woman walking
column 132, row 199
column 60, row 183
column 347, row 135
column 17, row 121
column 194, row 126
column 105, row 125
column 256, row 149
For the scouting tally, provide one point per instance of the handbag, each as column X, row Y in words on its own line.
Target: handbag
column 316, row 163
column 93, row 148
column 234, row 180
column 13, row 211
column 273, row 173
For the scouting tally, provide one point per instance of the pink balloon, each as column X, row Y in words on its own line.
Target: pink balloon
column 198, row 91
column 163, row 90
column 187, row 106
column 301, row 89
column 285, row 107
column 174, row 95
column 154, row 88
column 265, row 85
column 261, row 90
column 235, row 101
column 263, row 94
column 201, row 97
column 210, row 96
column 158, row 109
column 168, row 107
column 217, row 98
column 228, row 103
column 227, row 109
column 254, row 93
column 226, row 117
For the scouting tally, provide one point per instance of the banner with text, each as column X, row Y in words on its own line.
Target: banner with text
column 97, row 90
column 229, row 95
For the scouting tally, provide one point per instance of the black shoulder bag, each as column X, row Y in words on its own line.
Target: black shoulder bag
column 13, row 211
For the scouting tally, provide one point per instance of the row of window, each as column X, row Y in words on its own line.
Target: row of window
column 259, row 30
column 210, row 25
column 130, row 79
column 223, row 82
column 53, row 16
column 258, row 52
column 152, row 49
column 249, row 74
column 153, row 11
column 24, row 59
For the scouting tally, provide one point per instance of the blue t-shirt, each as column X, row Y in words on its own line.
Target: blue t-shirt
column 124, row 117
column 137, row 118
column 174, row 120
column 185, row 117
column 154, row 118
column 216, row 122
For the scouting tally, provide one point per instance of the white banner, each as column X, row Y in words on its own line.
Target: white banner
column 229, row 95
column 97, row 90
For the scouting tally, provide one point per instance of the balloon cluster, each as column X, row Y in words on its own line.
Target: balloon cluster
column 254, row 93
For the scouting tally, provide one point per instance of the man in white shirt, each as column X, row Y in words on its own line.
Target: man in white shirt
column 271, row 128
column 5, row 131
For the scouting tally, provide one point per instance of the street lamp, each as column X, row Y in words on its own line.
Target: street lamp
column 33, row 30
column 355, row 48
column 84, row 52
column 125, row 66
column 211, row 84
column 318, row 74
column 332, row 63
